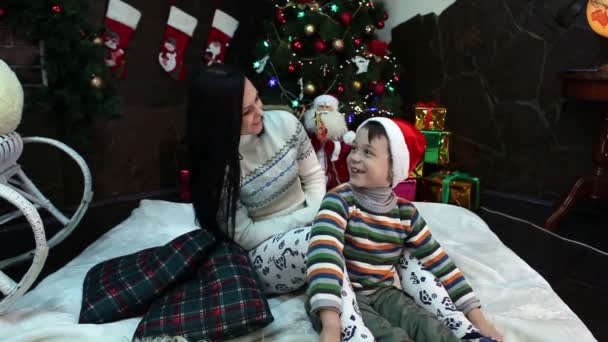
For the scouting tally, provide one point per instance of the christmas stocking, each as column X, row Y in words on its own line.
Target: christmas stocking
column 121, row 21
column 180, row 27
column 222, row 31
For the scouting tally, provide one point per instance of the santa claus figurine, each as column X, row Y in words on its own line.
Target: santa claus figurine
column 330, row 138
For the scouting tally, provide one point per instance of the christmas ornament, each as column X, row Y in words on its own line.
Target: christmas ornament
column 338, row 44
column 1, row 12
column 98, row 41
column 358, row 41
column 369, row 29
column 260, row 65
column 357, row 85
column 310, row 89
column 96, row 82
column 340, row 88
column 362, row 64
column 11, row 98
column 396, row 78
column 297, row 45
column 281, row 17
column 223, row 26
column 385, row 16
column 380, row 24
column 121, row 21
column 346, row 18
column 57, row 8
column 379, row 88
column 180, row 27
column 320, row 46
column 378, row 47
column 291, row 68
column 310, row 29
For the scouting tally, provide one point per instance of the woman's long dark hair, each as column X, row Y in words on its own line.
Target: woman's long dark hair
column 215, row 106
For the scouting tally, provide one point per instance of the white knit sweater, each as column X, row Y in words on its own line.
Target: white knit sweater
column 282, row 184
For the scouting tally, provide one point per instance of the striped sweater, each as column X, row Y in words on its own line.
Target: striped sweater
column 371, row 245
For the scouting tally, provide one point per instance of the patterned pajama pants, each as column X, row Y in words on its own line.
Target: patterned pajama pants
column 281, row 265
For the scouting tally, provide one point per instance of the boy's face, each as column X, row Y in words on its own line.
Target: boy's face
column 369, row 161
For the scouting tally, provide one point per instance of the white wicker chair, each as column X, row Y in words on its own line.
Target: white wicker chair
column 20, row 191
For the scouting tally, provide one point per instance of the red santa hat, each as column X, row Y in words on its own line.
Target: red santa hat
column 407, row 145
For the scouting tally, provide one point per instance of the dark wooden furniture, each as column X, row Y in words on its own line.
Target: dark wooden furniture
column 587, row 85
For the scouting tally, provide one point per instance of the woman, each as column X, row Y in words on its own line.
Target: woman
column 256, row 180
column 255, row 176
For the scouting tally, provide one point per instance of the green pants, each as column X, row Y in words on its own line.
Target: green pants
column 392, row 316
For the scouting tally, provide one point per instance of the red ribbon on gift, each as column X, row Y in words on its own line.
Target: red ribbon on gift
column 429, row 112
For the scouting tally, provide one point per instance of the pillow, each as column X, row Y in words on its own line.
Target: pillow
column 126, row 286
column 222, row 301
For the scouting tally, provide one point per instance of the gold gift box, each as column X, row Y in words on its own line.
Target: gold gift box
column 430, row 117
column 417, row 172
column 463, row 190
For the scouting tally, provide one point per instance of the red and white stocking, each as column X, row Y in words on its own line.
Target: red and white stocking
column 121, row 21
column 223, row 27
column 180, row 27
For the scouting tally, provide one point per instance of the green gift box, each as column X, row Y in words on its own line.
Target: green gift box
column 456, row 188
column 437, row 147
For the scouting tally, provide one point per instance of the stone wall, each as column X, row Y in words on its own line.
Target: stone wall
column 494, row 64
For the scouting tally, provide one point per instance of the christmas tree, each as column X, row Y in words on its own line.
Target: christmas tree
column 312, row 48
column 77, row 87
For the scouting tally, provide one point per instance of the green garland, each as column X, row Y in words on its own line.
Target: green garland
column 79, row 87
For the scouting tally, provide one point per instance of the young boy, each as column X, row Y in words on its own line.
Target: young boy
column 362, row 225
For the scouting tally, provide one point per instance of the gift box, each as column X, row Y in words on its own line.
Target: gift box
column 437, row 147
column 417, row 172
column 456, row 188
column 430, row 116
column 406, row 189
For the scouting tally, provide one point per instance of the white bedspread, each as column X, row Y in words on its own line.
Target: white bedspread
column 516, row 298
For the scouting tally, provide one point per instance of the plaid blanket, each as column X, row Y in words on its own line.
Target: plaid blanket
column 194, row 287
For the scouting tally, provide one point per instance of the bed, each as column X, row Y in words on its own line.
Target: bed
column 515, row 297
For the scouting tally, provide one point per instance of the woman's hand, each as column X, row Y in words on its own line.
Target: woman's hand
column 485, row 327
column 331, row 331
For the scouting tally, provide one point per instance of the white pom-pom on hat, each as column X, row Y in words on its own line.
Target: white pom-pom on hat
column 11, row 99
column 349, row 137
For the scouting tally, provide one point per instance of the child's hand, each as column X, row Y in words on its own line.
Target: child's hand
column 331, row 331
column 330, row 335
column 485, row 327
